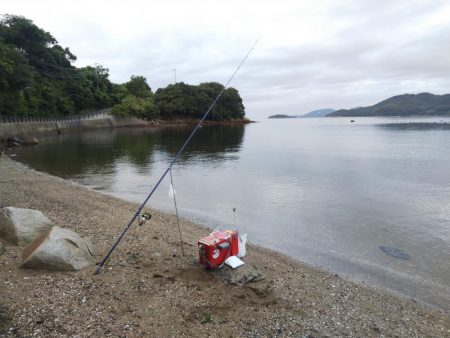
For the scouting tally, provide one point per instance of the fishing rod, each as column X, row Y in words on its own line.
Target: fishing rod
column 124, row 231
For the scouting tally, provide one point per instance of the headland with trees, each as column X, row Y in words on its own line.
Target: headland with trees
column 38, row 78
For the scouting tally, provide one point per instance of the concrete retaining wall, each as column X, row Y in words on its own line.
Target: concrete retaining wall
column 35, row 128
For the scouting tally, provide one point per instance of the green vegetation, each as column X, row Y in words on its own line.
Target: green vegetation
column 137, row 100
column 188, row 101
column 403, row 105
column 37, row 78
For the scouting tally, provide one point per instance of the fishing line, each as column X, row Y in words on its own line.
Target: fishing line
column 172, row 187
column 124, row 231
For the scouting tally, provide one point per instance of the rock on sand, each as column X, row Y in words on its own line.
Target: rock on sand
column 58, row 249
column 21, row 226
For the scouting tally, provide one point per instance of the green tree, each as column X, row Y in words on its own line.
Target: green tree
column 37, row 76
column 137, row 86
column 14, row 78
column 176, row 100
column 188, row 101
column 136, row 99
column 144, row 108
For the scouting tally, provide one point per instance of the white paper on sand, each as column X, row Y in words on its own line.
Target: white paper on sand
column 234, row 262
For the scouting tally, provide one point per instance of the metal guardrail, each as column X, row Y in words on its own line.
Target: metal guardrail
column 54, row 119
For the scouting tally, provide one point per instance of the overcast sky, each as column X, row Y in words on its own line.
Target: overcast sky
column 312, row 54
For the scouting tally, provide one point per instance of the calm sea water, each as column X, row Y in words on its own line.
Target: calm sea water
column 366, row 201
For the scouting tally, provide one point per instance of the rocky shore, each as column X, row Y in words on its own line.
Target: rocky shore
column 149, row 289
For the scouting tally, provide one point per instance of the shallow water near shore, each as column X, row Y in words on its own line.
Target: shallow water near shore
column 365, row 200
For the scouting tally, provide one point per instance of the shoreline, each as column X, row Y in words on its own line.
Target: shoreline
column 27, row 129
column 175, row 121
column 148, row 288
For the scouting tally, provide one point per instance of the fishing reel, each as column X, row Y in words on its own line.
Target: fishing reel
column 144, row 217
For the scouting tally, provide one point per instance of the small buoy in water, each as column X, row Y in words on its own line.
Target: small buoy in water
column 352, row 121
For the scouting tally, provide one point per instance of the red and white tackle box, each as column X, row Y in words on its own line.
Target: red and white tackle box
column 217, row 247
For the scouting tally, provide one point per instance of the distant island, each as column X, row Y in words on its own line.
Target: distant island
column 403, row 105
column 318, row 113
column 424, row 104
column 281, row 116
column 314, row 113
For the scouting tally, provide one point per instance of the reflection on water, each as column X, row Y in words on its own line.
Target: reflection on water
column 368, row 202
column 99, row 151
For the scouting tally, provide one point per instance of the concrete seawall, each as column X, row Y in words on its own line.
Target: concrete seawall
column 36, row 128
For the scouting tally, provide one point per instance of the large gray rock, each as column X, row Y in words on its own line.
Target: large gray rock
column 21, row 226
column 58, row 249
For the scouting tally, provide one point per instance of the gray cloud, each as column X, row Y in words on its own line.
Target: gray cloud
column 373, row 59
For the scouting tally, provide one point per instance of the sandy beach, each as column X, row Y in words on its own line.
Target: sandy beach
column 148, row 288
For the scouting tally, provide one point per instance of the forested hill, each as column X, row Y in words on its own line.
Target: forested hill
column 403, row 105
column 37, row 77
